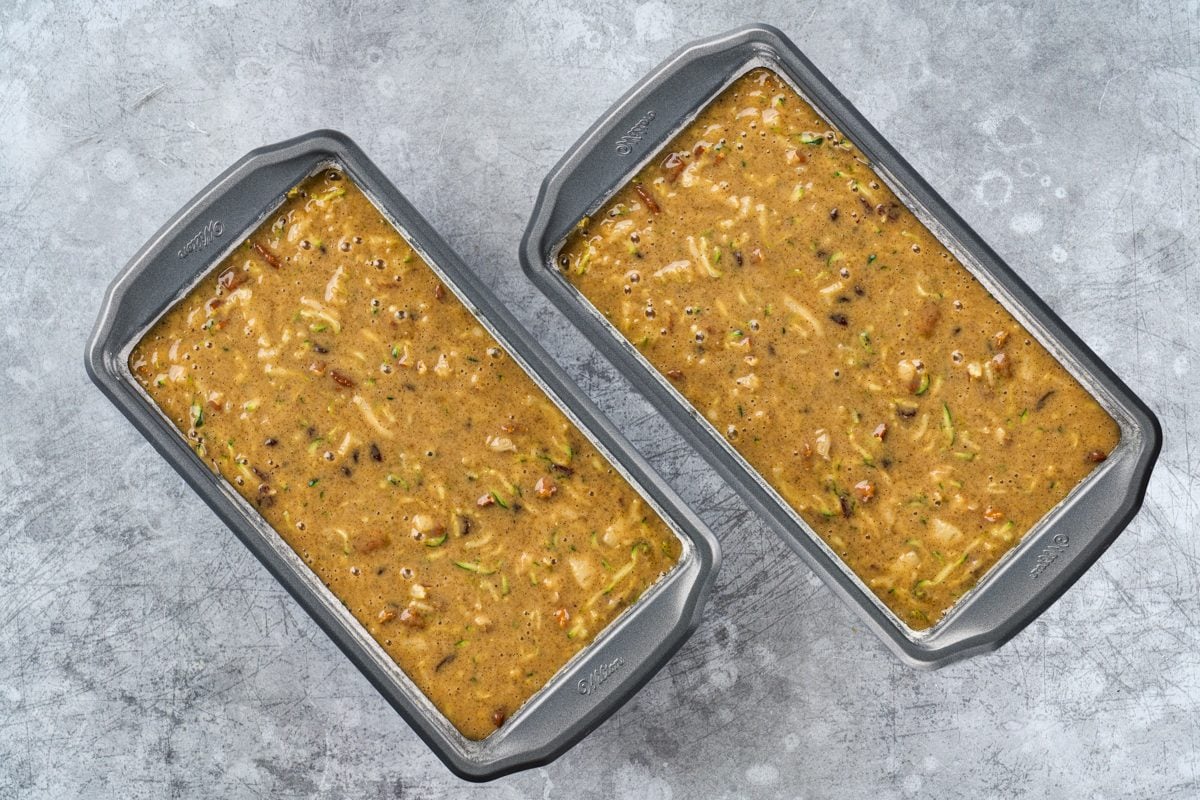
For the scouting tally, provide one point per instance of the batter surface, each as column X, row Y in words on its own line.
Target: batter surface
column 343, row 389
column 764, row 269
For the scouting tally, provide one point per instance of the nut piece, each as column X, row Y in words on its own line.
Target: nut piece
column 927, row 319
column 424, row 525
column 369, row 541
column 501, row 444
column 545, row 487
column 823, row 443
column 913, row 376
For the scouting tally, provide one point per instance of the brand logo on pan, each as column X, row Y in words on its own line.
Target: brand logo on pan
column 634, row 135
column 1050, row 554
column 599, row 675
column 203, row 239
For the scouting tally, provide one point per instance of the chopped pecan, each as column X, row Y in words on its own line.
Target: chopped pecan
column 844, row 502
column 927, row 318
column 231, row 279
column 673, row 165
column 369, row 541
column 267, row 255
column 647, row 198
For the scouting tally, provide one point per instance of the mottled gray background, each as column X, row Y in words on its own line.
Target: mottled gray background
column 145, row 654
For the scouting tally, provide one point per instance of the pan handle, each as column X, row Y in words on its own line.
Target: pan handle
column 605, row 675
column 640, row 122
column 191, row 241
column 1039, row 571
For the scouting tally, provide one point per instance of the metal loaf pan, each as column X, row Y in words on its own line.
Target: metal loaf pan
column 597, row 680
column 1054, row 553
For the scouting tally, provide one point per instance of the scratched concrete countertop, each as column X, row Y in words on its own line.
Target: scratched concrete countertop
column 145, row 654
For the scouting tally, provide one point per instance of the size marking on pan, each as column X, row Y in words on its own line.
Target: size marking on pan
column 1050, row 554
column 206, row 236
column 635, row 134
column 599, row 675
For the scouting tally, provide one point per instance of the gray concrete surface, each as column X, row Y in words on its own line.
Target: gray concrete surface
column 144, row 654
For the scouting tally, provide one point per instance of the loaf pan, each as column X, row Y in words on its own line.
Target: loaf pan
column 1054, row 553
column 597, row 680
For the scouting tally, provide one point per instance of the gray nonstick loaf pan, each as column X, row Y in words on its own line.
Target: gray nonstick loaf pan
column 598, row 679
column 1055, row 552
